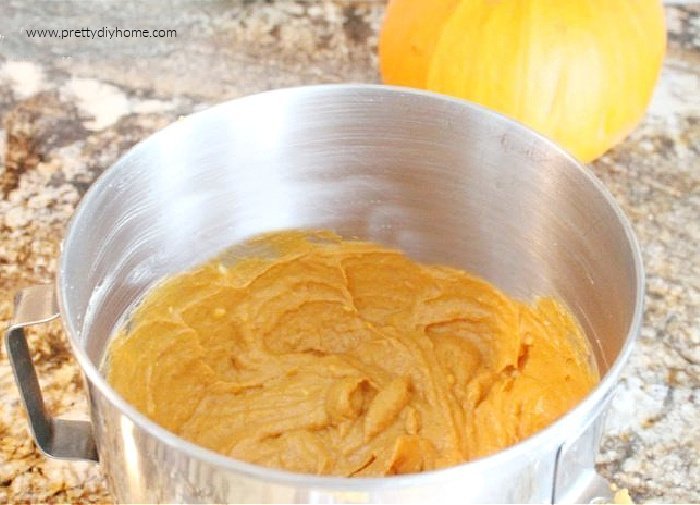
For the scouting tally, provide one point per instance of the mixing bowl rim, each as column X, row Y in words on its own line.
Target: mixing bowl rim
column 558, row 432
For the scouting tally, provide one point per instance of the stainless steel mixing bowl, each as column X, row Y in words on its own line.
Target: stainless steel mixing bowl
column 447, row 181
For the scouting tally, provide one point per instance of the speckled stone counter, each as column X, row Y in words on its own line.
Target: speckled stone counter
column 69, row 108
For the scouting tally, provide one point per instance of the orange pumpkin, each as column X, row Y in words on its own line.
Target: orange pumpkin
column 581, row 72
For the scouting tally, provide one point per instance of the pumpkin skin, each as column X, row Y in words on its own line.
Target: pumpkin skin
column 581, row 72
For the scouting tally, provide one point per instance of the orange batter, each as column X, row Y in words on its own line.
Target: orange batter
column 346, row 358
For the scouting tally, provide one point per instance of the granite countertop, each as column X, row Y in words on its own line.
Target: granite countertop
column 69, row 108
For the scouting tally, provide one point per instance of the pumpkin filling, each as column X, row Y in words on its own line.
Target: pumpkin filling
column 313, row 354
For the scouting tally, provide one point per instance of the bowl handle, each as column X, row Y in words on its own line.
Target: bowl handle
column 59, row 438
column 575, row 477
